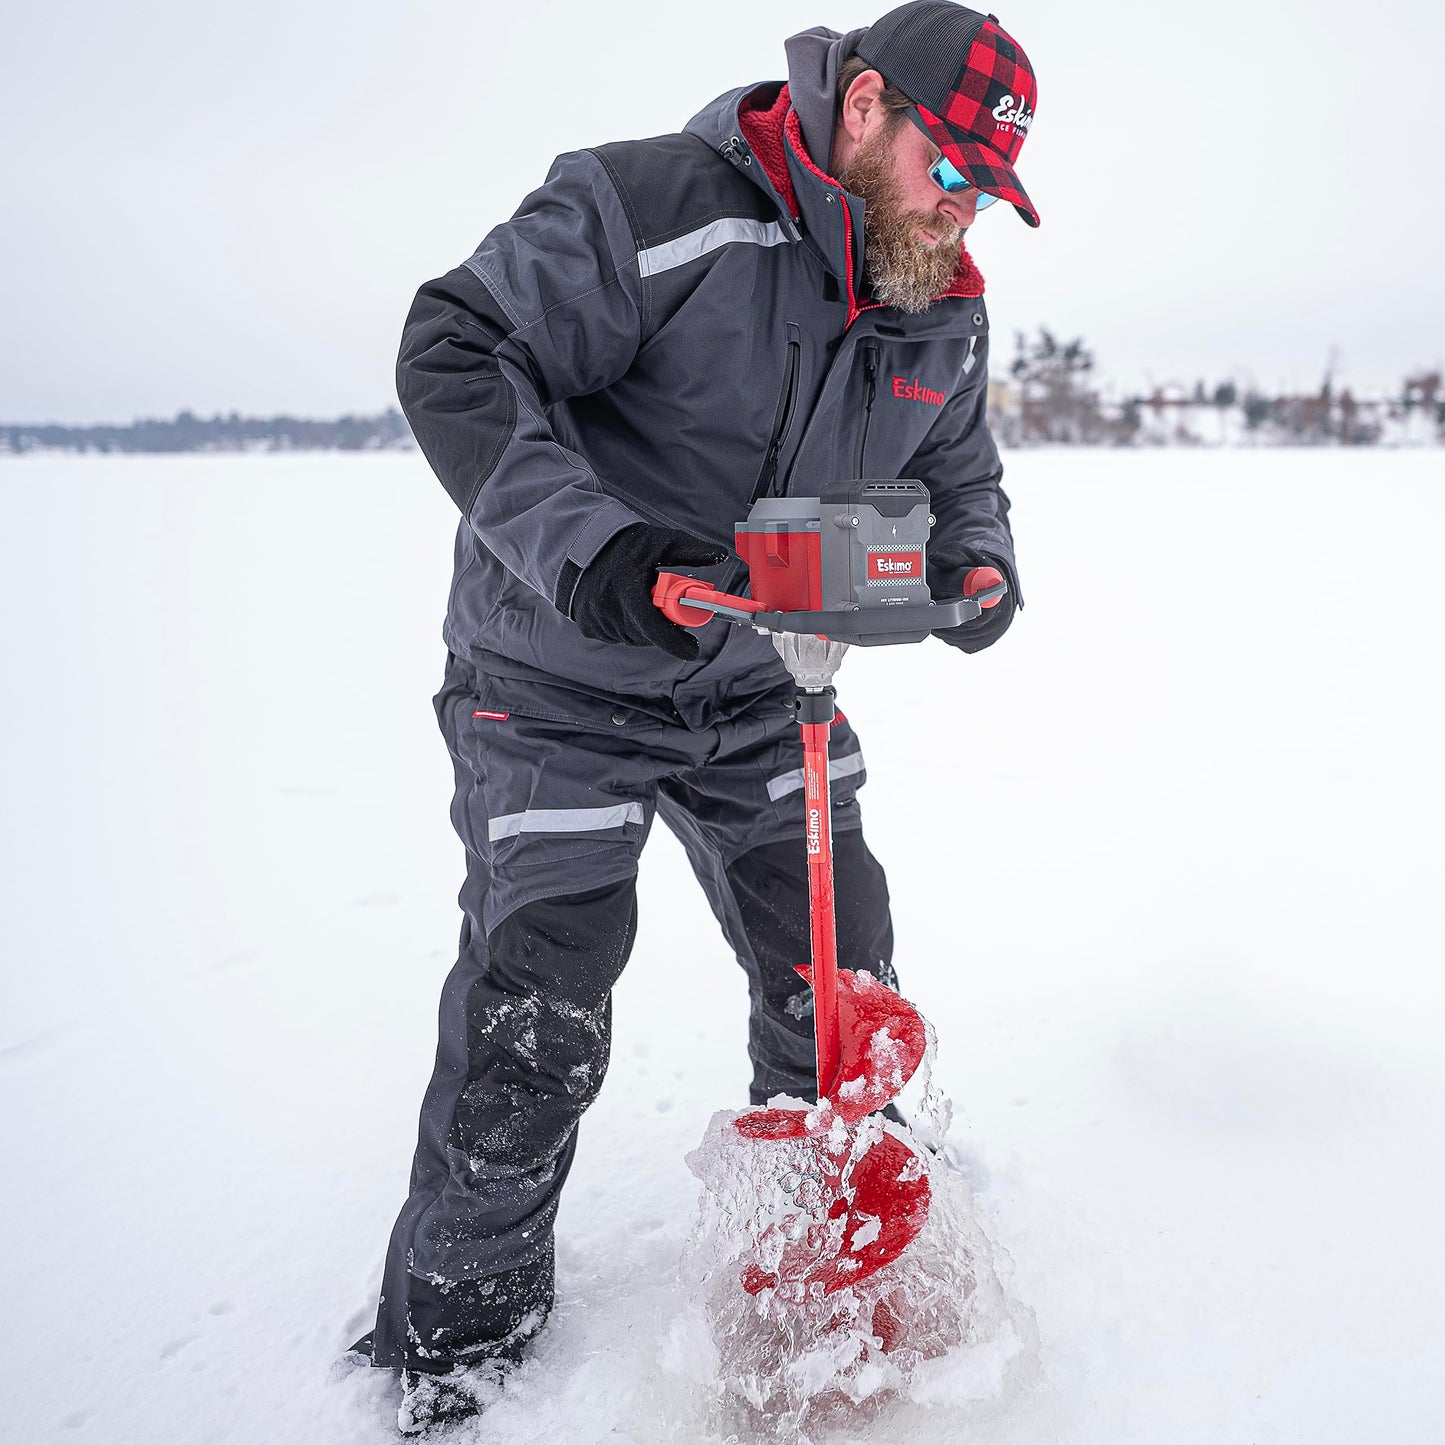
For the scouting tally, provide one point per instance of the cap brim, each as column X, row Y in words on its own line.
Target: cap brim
column 981, row 163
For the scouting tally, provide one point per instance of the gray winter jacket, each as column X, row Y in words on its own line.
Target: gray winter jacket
column 666, row 330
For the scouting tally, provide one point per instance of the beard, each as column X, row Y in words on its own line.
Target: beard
column 903, row 269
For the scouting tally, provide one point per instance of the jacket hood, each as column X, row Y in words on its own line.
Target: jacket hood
column 814, row 59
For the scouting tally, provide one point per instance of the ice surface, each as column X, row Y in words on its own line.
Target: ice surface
column 1165, row 868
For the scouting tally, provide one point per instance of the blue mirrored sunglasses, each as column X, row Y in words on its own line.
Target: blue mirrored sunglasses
column 947, row 176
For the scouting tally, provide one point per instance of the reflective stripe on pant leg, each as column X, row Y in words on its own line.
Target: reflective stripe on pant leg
column 551, row 795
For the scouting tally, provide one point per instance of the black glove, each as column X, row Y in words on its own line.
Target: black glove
column 947, row 567
column 612, row 598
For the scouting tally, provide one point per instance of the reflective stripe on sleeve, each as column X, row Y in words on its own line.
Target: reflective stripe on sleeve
column 707, row 238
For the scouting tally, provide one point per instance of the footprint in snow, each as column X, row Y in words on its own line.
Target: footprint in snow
column 28, row 1047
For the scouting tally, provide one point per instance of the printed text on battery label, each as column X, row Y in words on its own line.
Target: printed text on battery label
column 892, row 566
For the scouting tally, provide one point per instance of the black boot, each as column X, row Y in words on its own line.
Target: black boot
column 429, row 1398
column 466, row 1338
column 463, row 1393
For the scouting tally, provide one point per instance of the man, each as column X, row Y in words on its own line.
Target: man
column 777, row 298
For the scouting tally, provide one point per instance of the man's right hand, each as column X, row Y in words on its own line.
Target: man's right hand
column 612, row 601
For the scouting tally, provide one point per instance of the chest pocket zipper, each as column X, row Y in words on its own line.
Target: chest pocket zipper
column 783, row 419
column 870, row 392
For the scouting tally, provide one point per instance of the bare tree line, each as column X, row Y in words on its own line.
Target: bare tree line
column 233, row 433
column 1048, row 396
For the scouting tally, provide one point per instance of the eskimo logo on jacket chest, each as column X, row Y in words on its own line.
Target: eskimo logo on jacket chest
column 915, row 390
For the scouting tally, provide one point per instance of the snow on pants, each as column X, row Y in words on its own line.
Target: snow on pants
column 555, row 794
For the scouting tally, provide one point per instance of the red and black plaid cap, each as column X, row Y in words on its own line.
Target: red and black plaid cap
column 971, row 82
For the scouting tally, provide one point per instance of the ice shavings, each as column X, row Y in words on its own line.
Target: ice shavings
column 866, row 1232
column 887, row 1058
column 799, row 1354
column 793, row 1364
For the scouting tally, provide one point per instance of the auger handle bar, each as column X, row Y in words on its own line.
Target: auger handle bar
column 682, row 599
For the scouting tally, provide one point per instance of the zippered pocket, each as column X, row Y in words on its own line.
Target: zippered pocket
column 870, row 392
column 783, row 417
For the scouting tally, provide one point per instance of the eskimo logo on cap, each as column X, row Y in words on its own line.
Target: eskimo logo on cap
column 1013, row 115
column 970, row 83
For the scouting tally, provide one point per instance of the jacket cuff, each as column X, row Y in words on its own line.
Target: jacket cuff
column 600, row 528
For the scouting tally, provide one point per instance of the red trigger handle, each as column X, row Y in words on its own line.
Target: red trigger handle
column 671, row 587
column 980, row 579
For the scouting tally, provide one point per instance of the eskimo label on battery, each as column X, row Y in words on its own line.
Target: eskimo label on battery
column 895, row 566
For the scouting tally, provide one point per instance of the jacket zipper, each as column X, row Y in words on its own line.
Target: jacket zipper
column 870, row 373
column 783, row 420
column 855, row 307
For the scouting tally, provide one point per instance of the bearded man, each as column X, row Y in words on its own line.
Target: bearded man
column 773, row 300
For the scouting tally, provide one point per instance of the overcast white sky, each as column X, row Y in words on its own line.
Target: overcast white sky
column 223, row 208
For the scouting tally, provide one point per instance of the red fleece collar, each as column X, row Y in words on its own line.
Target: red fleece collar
column 765, row 129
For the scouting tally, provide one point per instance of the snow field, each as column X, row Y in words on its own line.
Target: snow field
column 1165, row 872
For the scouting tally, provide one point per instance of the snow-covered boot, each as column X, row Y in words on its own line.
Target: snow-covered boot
column 464, row 1339
column 460, row 1394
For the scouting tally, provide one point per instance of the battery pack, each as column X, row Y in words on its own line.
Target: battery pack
column 859, row 547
